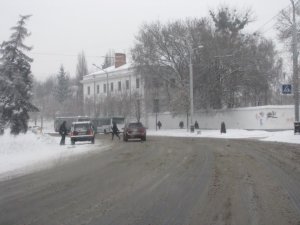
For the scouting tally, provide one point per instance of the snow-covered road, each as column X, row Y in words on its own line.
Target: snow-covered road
column 33, row 151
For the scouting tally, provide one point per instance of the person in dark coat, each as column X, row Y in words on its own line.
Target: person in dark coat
column 63, row 132
column 159, row 124
column 115, row 131
column 196, row 125
column 223, row 128
column 181, row 124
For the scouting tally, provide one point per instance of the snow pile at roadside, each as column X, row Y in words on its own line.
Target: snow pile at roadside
column 31, row 151
column 283, row 136
column 276, row 136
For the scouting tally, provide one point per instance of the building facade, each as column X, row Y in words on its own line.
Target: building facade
column 114, row 91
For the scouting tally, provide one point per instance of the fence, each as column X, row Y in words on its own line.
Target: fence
column 273, row 117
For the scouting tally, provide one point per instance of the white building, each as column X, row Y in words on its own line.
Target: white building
column 114, row 91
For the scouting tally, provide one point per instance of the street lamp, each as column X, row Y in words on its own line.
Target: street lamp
column 156, row 109
column 191, row 51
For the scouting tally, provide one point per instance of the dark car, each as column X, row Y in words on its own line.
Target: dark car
column 133, row 131
column 82, row 131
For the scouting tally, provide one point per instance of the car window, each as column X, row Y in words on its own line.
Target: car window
column 104, row 122
column 81, row 127
column 118, row 120
column 135, row 125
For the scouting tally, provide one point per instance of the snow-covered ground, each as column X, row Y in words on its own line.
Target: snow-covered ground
column 34, row 150
column 286, row 136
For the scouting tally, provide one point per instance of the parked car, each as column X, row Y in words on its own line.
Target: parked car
column 82, row 131
column 69, row 120
column 134, row 130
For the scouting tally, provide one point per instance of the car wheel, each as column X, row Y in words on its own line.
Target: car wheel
column 143, row 138
column 72, row 142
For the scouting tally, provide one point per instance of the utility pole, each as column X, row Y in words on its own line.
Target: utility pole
column 191, row 53
column 191, row 87
column 295, row 63
column 94, row 77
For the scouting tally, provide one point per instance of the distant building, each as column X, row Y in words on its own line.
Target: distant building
column 114, row 91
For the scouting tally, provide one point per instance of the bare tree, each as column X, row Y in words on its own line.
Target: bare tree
column 284, row 24
column 233, row 68
column 161, row 54
column 109, row 59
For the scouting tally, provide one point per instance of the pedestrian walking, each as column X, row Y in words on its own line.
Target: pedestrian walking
column 181, row 124
column 159, row 125
column 115, row 131
column 223, row 128
column 196, row 125
column 63, row 132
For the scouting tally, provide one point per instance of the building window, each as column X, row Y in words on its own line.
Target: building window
column 98, row 89
column 119, row 86
column 127, row 84
column 89, row 90
column 137, row 83
column 111, row 87
column 104, row 88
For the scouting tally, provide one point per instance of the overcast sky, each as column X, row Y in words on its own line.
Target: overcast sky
column 63, row 28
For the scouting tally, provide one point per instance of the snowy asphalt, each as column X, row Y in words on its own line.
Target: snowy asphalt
column 164, row 180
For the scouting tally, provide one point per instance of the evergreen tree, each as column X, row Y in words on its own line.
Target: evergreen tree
column 62, row 89
column 16, row 80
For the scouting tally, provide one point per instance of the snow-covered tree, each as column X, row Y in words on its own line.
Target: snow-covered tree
column 62, row 88
column 16, row 80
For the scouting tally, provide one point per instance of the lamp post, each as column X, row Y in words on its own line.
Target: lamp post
column 191, row 51
column 295, row 62
column 107, row 87
column 156, row 109
column 94, row 76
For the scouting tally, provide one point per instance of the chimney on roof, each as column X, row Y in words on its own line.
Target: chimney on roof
column 120, row 59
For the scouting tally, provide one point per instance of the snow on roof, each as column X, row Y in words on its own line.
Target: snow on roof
column 81, row 122
column 111, row 69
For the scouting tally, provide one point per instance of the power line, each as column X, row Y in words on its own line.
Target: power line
column 65, row 55
column 271, row 20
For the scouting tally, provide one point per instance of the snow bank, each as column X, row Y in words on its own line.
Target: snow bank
column 26, row 152
column 276, row 136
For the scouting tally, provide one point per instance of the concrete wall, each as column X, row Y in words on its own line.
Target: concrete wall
column 261, row 117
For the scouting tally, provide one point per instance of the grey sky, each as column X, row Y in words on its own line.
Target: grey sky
column 63, row 28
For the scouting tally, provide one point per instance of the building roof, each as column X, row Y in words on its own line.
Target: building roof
column 111, row 70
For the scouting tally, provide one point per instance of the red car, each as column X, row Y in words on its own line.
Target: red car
column 82, row 131
column 133, row 131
